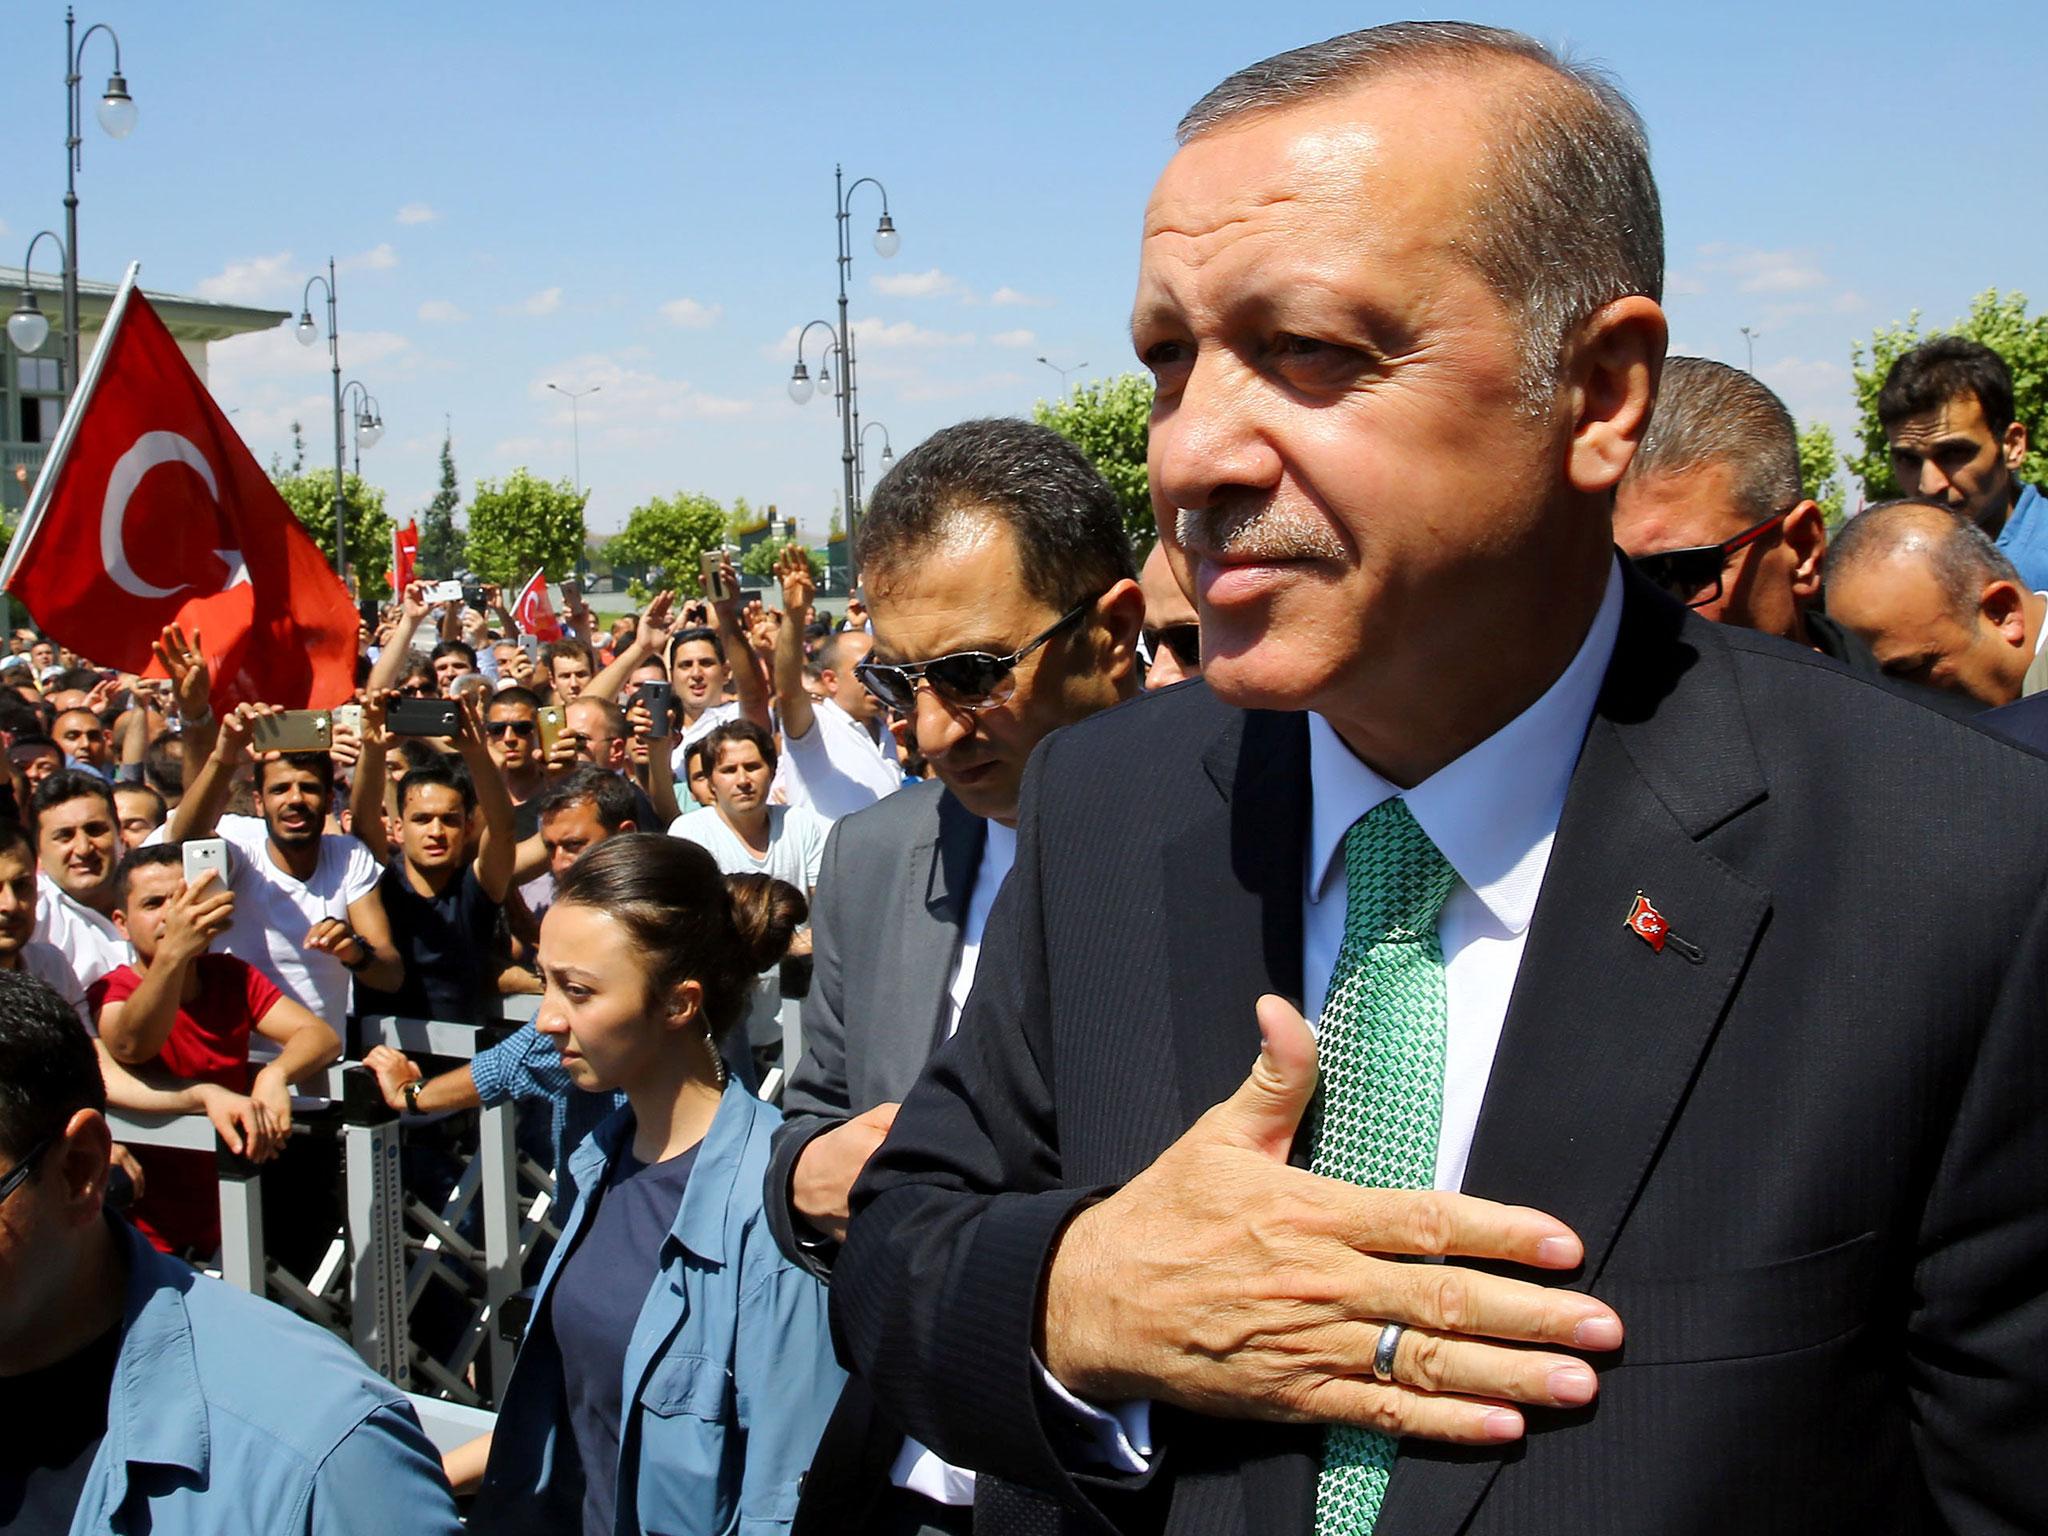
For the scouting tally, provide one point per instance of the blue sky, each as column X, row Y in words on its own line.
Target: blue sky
column 640, row 196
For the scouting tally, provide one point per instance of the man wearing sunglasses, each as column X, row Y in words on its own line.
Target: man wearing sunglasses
column 143, row 1396
column 1678, row 990
column 1170, row 644
column 999, row 581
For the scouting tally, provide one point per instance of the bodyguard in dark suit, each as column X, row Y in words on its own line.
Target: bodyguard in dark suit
column 1730, row 962
column 1004, row 604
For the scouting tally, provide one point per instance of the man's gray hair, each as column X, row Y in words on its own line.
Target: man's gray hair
column 1565, row 216
column 1708, row 413
column 1957, row 553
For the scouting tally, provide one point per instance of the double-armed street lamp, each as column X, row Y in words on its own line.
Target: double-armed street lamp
column 116, row 112
column 28, row 327
column 1062, row 372
column 308, row 332
column 861, row 456
column 847, row 394
column 368, row 417
column 574, row 396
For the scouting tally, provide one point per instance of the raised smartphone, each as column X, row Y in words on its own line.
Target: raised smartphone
column 292, row 730
column 204, row 853
column 423, row 717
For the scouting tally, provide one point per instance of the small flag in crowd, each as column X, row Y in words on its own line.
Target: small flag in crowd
column 536, row 615
column 405, row 557
column 151, row 510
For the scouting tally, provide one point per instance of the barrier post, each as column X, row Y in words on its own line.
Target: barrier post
column 376, row 1231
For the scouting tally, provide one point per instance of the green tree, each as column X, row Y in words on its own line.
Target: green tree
column 441, row 542
column 1820, row 473
column 760, row 560
column 1107, row 422
column 311, row 498
column 2000, row 322
column 278, row 468
column 663, row 538
column 523, row 522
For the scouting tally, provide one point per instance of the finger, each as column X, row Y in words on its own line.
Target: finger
column 1266, row 1110
column 1444, row 1363
column 1436, row 1223
column 1474, row 1305
column 1400, row 1411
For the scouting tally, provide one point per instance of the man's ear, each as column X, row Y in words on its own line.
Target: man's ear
column 121, row 920
column 1611, row 371
column 2014, row 445
column 1805, row 532
column 2003, row 605
column 1122, row 613
column 84, row 1155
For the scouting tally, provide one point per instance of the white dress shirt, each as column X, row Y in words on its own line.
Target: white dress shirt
column 1493, row 815
column 89, row 942
column 839, row 765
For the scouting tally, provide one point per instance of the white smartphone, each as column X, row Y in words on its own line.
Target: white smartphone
column 443, row 592
column 350, row 715
column 204, row 853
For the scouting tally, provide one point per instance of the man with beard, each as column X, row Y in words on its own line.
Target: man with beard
column 443, row 907
column 307, row 912
column 78, row 843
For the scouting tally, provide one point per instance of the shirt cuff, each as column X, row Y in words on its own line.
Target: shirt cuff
column 1118, row 1437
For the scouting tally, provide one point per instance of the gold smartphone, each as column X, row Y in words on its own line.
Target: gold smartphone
column 550, row 728
column 293, row 730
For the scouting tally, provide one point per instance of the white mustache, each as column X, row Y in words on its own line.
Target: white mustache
column 1269, row 532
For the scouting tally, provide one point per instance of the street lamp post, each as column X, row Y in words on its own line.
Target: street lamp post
column 1062, row 372
column 887, row 243
column 368, row 417
column 861, row 461
column 1749, row 337
column 28, row 327
column 308, row 333
column 576, row 425
column 116, row 113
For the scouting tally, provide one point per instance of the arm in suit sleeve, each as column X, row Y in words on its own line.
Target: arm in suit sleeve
column 935, row 1295
column 1977, row 1333
column 815, row 1099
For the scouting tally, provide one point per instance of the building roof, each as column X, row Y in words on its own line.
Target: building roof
column 189, row 319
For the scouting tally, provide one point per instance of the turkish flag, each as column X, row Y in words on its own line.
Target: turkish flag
column 405, row 557
column 1648, row 923
column 151, row 510
column 534, row 613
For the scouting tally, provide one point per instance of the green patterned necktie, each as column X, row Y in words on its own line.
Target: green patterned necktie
column 1381, row 1047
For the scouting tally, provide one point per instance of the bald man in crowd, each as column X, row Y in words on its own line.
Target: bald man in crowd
column 1938, row 603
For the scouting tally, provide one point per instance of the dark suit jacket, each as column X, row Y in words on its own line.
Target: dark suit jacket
column 891, row 898
column 1810, row 1170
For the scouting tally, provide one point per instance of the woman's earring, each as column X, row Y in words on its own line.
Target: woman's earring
column 717, row 1061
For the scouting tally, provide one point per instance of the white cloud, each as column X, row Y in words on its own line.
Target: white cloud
column 917, row 285
column 1011, row 298
column 3, row 229
column 1756, row 270
column 417, row 213
column 691, row 315
column 1679, row 284
column 251, row 281
column 632, row 403
column 872, row 332
column 378, row 258
column 444, row 311
column 546, row 302
column 1016, row 338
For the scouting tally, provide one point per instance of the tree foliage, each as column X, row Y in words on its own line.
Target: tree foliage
column 523, row 522
column 442, row 551
column 760, row 560
column 1820, row 472
column 311, row 498
column 663, row 538
column 2000, row 322
column 1107, row 421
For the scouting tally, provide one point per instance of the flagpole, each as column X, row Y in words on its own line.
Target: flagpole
column 67, row 430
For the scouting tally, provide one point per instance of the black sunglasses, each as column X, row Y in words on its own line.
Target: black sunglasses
column 18, row 1174
column 971, row 680
column 1184, row 640
column 510, row 728
column 1693, row 576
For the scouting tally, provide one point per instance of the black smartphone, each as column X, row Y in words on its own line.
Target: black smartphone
column 423, row 717
column 474, row 596
column 660, row 700
column 372, row 614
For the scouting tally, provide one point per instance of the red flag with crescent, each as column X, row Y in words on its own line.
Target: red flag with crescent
column 536, row 615
column 150, row 510
column 1648, row 923
column 405, row 557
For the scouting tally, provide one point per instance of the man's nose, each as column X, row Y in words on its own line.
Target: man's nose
column 1207, row 438
column 1933, row 482
column 939, row 728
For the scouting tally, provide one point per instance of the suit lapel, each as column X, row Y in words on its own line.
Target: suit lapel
column 1605, row 1032
column 943, row 861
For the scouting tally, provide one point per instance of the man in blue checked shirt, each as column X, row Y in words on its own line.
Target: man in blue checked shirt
column 141, row 1395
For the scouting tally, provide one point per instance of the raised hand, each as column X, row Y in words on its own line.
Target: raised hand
column 656, row 623
column 1224, row 1281
column 194, row 917
column 186, row 668
column 799, row 586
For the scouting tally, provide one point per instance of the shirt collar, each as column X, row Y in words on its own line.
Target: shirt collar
column 1492, row 812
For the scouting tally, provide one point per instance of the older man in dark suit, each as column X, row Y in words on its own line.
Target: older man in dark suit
column 1004, row 604
column 1657, row 984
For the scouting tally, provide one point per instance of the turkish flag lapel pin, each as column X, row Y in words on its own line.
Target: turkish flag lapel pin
column 1654, row 929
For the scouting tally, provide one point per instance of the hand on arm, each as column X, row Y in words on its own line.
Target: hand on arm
column 497, row 849
column 799, row 593
column 308, row 1044
column 206, row 792
column 147, row 1089
column 135, row 1029
column 366, row 788
column 1222, row 1280
column 750, row 688
column 828, row 1165
column 455, row 1089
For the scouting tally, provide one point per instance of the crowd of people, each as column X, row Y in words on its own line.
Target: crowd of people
column 1737, row 1188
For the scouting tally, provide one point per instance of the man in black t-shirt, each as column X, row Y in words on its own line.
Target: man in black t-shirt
column 443, row 906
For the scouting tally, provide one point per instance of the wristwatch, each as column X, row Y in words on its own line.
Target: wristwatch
column 352, row 966
column 411, row 1094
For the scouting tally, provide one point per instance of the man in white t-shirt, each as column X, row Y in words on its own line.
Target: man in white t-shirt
column 307, row 912
column 840, row 755
column 741, row 830
column 78, row 842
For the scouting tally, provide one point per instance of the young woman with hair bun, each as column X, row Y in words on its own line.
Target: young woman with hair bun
column 678, row 1370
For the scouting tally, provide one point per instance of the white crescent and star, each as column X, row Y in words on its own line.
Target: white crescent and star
column 150, row 450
